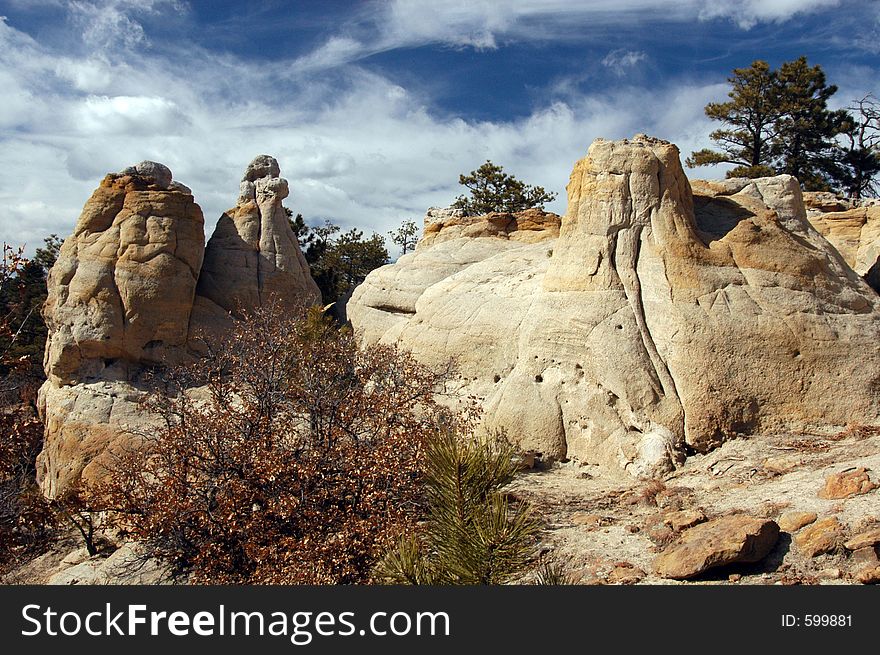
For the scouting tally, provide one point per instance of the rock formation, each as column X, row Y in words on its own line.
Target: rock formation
column 727, row 540
column 253, row 254
column 122, row 289
column 123, row 295
column 660, row 319
column 855, row 233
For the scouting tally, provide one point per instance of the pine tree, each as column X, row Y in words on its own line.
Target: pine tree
column 777, row 121
column 493, row 190
column 471, row 533
column 805, row 131
column 406, row 236
column 751, row 114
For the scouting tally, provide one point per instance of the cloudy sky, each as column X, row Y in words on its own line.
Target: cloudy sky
column 373, row 108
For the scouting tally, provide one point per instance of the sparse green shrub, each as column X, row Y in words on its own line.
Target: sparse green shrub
column 471, row 533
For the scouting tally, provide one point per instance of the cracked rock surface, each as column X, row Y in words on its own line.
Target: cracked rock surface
column 662, row 319
column 135, row 286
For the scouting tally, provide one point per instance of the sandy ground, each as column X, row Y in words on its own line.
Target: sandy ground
column 596, row 523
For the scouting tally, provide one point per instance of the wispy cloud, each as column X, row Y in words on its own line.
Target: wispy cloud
column 357, row 146
column 485, row 24
column 748, row 13
column 620, row 60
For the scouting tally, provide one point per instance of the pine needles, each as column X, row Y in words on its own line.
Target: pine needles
column 472, row 533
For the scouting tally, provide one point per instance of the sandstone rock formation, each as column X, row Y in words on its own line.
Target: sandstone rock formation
column 822, row 202
column 253, row 254
column 123, row 295
column 856, row 235
column 501, row 263
column 659, row 319
column 122, row 289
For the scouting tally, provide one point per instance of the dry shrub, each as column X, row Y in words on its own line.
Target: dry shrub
column 296, row 461
column 26, row 520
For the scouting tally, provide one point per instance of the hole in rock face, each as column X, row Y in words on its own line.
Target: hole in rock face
column 497, row 378
column 618, row 327
column 796, row 353
column 539, row 378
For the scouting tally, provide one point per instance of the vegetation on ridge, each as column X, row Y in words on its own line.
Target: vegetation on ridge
column 778, row 121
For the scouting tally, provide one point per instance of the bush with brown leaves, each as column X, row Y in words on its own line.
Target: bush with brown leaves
column 26, row 520
column 287, row 455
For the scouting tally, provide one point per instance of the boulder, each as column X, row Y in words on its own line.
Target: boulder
column 794, row 521
column 659, row 318
column 867, row 539
column 821, row 537
column 683, row 519
column 847, row 483
column 732, row 539
column 870, row 575
column 128, row 565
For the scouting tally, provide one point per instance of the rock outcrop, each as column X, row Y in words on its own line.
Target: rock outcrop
column 253, row 254
column 856, row 235
column 500, row 262
column 122, row 289
column 123, row 295
column 659, row 319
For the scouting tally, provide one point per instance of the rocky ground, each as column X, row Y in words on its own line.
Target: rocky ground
column 724, row 506
column 610, row 530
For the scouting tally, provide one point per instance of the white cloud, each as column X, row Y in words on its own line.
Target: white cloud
column 620, row 60
column 356, row 147
column 106, row 24
column 129, row 115
column 337, row 50
column 747, row 13
column 364, row 152
column 484, row 24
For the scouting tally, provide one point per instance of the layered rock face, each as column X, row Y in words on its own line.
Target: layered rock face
column 123, row 295
column 657, row 319
column 462, row 292
column 855, row 233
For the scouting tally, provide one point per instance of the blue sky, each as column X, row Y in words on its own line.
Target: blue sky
column 373, row 108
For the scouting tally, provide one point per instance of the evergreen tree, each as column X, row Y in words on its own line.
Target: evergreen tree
column 406, row 236
column 337, row 263
column 751, row 114
column 493, row 190
column 776, row 121
column 805, row 131
column 471, row 533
